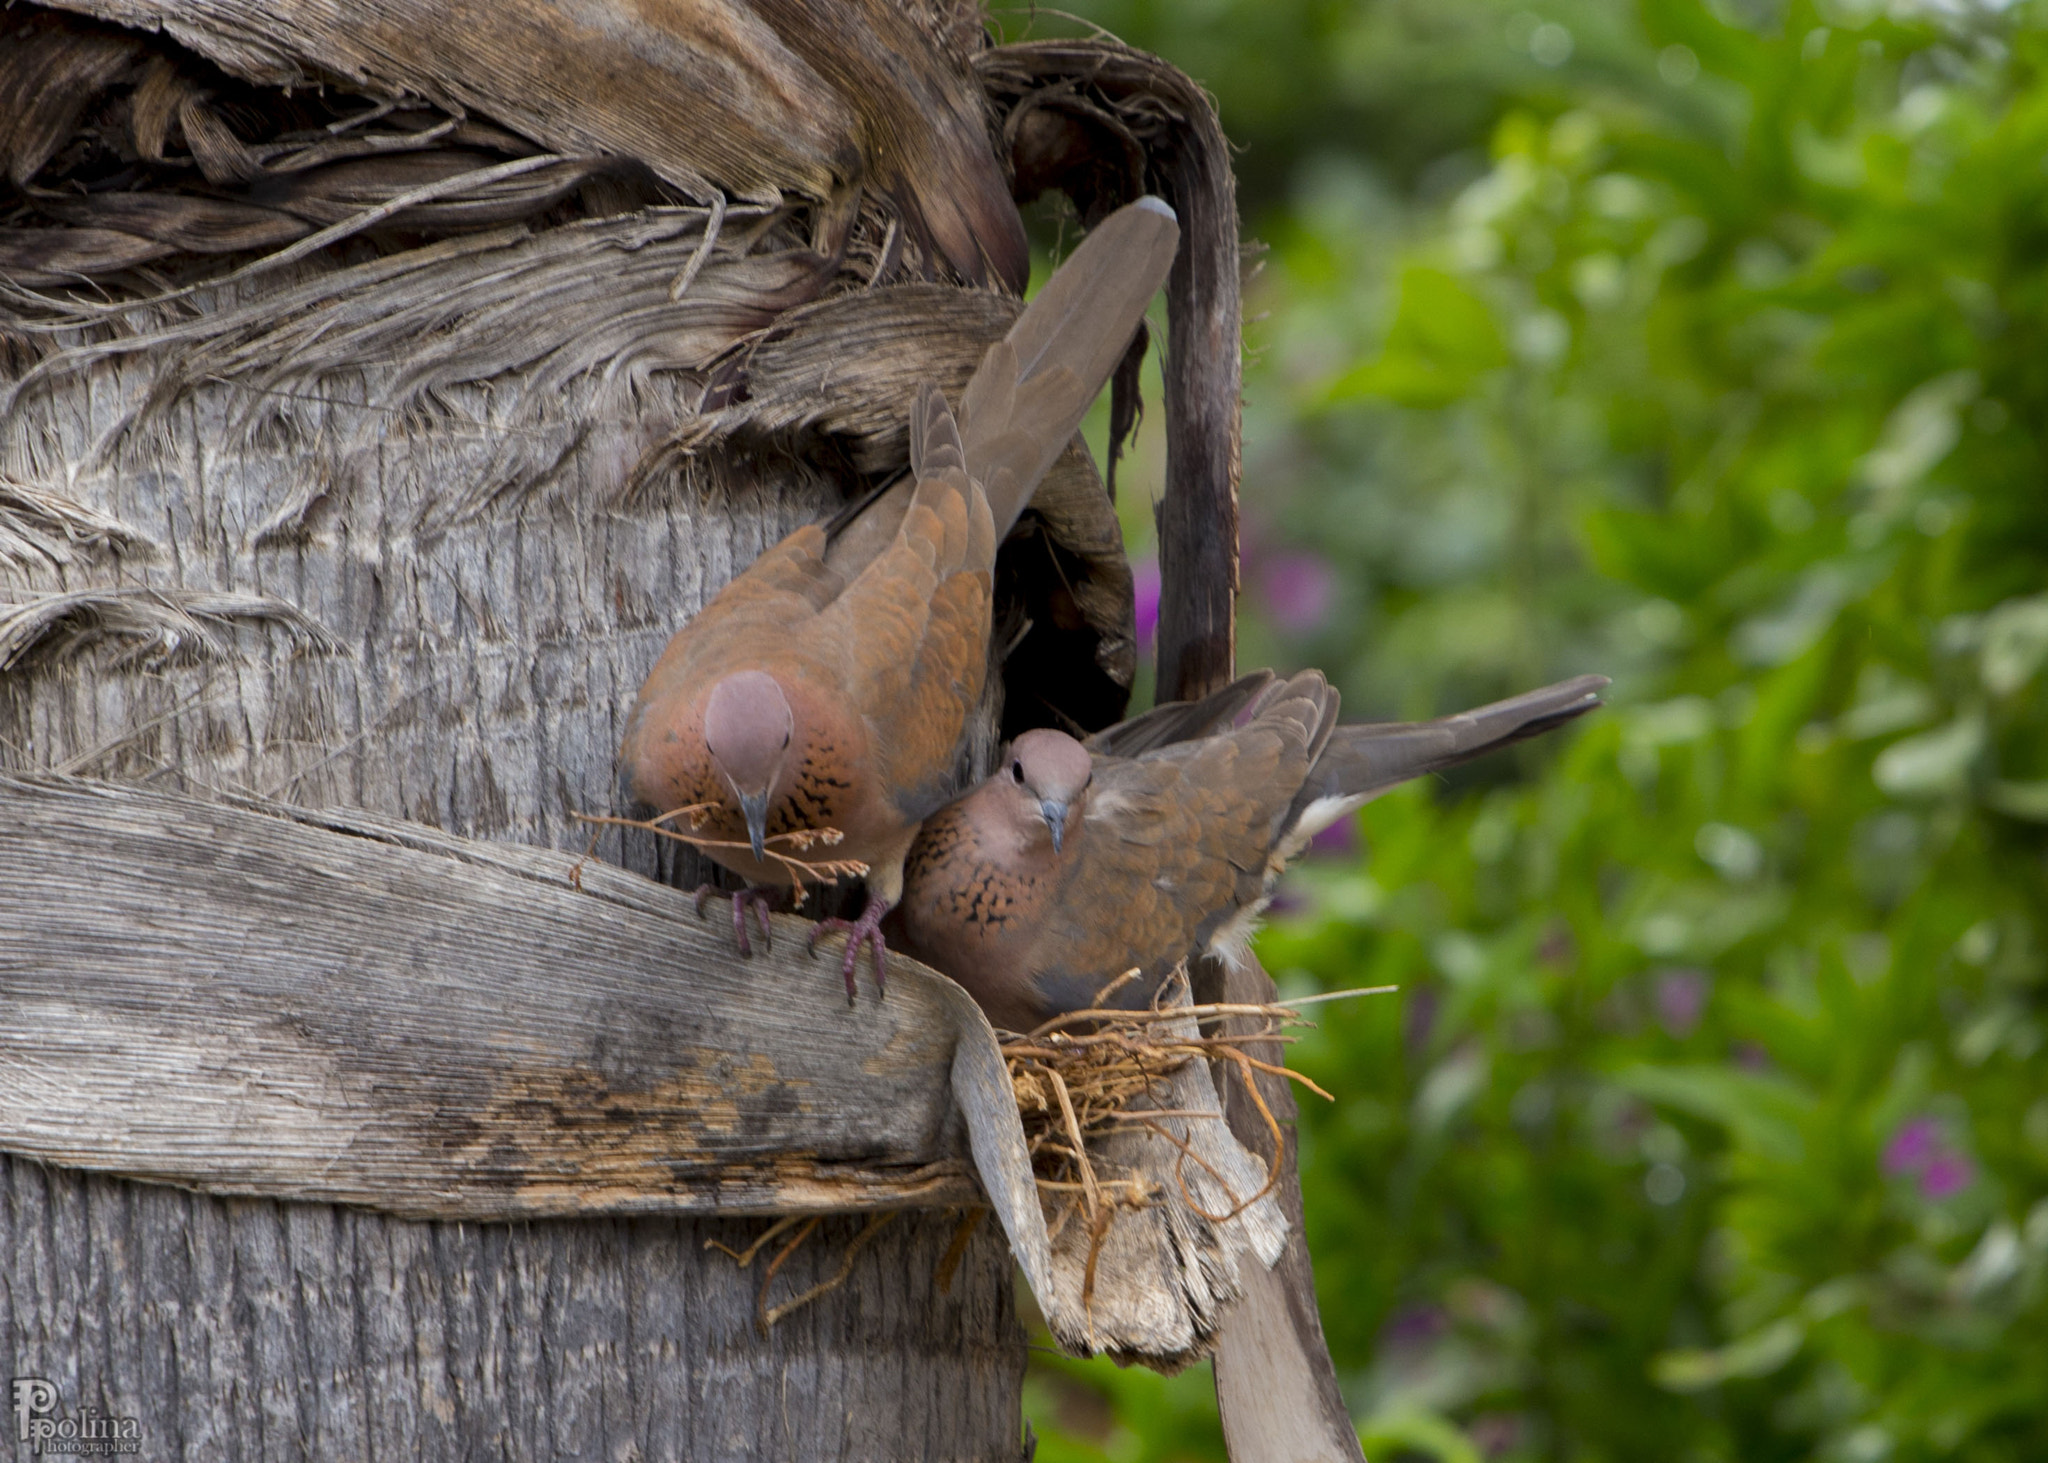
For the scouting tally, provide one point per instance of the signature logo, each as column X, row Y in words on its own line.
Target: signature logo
column 88, row 1433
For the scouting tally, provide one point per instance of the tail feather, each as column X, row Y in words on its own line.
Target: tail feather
column 935, row 446
column 1028, row 396
column 1361, row 761
column 1310, row 699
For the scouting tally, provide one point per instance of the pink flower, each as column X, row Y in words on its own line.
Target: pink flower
column 1912, row 1147
column 1286, row 899
column 1921, row 1149
column 1298, row 590
column 1145, row 581
column 1947, row 1174
column 1419, row 1020
column 1495, row 1433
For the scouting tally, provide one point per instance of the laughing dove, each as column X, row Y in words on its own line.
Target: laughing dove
column 829, row 685
column 1161, row 837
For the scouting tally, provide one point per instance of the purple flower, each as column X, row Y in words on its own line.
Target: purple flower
column 1921, row 1149
column 1415, row 1327
column 1419, row 1020
column 1947, row 1174
column 1145, row 581
column 1340, row 837
column 1298, row 589
column 1913, row 1147
column 1681, row 999
column 1751, row 1057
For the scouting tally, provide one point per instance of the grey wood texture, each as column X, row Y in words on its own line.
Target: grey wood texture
column 339, row 1008
column 357, row 535
column 262, row 1006
column 1276, row 1387
column 290, row 576
column 243, row 1329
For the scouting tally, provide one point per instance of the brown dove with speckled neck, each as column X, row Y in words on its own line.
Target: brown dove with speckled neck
column 1161, row 838
column 829, row 684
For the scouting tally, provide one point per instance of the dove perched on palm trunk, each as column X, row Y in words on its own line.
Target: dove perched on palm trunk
column 1161, row 837
column 829, row 685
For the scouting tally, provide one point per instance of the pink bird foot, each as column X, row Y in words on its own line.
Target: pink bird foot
column 758, row 897
column 865, row 931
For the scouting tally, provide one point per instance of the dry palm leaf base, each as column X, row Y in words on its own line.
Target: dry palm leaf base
column 1085, row 1074
column 1078, row 1078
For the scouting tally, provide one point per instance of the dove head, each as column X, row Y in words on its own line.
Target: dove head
column 747, row 727
column 1047, row 777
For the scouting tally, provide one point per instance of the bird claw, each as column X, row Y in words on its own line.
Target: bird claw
column 754, row 897
column 863, row 932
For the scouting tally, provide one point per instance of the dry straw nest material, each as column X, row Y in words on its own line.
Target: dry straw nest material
column 1085, row 1075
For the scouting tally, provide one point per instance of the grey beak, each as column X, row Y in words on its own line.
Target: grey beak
column 755, row 806
column 1055, row 815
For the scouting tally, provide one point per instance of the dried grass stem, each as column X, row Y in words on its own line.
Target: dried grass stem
column 1086, row 1074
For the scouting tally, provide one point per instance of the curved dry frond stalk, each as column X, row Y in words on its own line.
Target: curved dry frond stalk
column 1104, row 122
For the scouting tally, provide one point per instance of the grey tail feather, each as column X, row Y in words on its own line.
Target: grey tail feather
column 1180, row 721
column 1362, row 760
column 1032, row 388
column 1308, row 699
column 934, row 448
column 935, row 445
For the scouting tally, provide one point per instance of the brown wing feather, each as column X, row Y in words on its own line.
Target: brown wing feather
column 1176, row 847
column 1179, row 721
column 944, row 687
column 770, row 602
column 912, row 629
column 1369, row 758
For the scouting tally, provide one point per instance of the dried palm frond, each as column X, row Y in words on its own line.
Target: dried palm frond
column 156, row 625
column 1087, row 1075
column 238, row 127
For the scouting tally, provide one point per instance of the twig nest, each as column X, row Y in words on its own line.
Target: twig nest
column 1147, row 1195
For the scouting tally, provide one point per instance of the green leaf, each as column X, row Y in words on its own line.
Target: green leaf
column 1933, row 763
column 1764, row 1112
column 1756, row 1355
column 2015, row 643
column 1412, row 1430
column 1443, row 339
column 2027, row 801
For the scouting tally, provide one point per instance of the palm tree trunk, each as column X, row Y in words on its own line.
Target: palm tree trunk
column 440, row 611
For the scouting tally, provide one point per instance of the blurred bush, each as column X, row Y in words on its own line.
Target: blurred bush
column 1705, row 345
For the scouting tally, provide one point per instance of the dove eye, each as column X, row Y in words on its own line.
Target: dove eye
column 1017, row 773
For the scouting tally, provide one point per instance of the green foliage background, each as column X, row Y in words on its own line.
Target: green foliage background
column 1706, row 345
